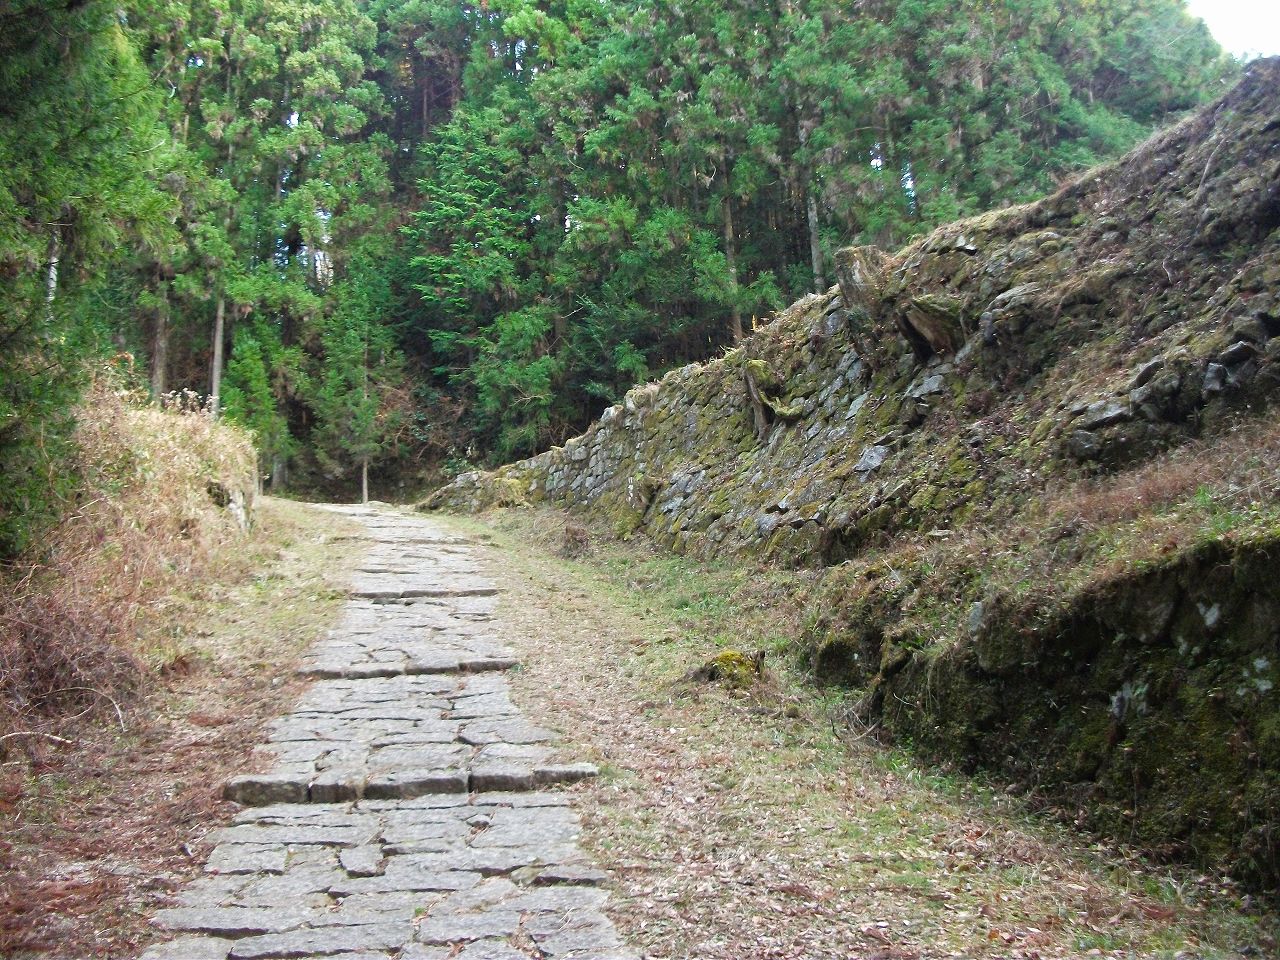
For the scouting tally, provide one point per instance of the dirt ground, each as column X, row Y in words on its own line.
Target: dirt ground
column 748, row 824
column 97, row 833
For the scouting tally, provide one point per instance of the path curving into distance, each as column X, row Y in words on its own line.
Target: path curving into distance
column 408, row 811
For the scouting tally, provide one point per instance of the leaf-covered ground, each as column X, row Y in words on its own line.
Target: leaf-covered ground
column 95, row 834
column 756, row 824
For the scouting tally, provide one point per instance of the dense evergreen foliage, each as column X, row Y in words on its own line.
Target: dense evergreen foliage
column 391, row 232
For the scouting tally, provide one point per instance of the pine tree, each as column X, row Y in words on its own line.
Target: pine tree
column 80, row 154
column 358, row 396
column 260, row 370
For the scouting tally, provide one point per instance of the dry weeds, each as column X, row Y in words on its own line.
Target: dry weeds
column 146, row 522
column 98, row 832
column 1238, row 467
column 1076, row 535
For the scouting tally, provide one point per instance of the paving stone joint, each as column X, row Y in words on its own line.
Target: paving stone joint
column 405, row 812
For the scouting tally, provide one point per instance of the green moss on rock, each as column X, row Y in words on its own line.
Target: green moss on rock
column 730, row 668
column 906, row 434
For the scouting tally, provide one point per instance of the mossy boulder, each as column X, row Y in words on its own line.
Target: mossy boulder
column 732, row 668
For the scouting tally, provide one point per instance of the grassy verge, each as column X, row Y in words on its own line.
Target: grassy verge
column 754, row 823
column 99, row 830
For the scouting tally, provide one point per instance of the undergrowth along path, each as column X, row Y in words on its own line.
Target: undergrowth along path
column 405, row 812
column 97, row 833
column 738, row 825
column 755, row 824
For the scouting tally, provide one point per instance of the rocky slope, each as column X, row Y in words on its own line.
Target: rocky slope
column 1030, row 462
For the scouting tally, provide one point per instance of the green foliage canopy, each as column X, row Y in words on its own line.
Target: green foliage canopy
column 478, row 224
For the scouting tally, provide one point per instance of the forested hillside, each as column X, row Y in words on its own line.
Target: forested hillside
column 408, row 233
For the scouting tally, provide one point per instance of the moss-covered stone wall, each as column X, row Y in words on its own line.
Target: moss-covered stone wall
column 1134, row 309
column 932, row 404
column 1143, row 705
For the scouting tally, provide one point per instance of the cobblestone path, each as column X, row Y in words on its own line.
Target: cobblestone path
column 408, row 810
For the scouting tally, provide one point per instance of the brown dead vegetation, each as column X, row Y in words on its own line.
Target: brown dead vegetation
column 99, row 827
column 1238, row 466
column 151, row 516
column 120, row 710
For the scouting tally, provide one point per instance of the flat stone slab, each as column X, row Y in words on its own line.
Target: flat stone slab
column 402, row 736
column 402, row 809
column 262, row 789
column 190, row 948
column 248, row 858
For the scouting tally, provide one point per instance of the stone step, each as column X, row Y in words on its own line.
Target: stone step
column 472, row 877
column 266, row 789
column 440, row 663
column 403, row 737
column 394, row 594
column 408, row 808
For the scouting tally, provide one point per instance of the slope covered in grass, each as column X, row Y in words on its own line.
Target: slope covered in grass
column 161, row 494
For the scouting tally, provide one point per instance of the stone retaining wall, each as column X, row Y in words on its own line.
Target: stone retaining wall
column 1134, row 309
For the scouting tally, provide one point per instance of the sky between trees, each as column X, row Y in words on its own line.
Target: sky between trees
column 1245, row 28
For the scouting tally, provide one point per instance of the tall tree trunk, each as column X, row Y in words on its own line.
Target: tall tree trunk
column 160, row 345
column 51, row 272
column 806, row 178
column 815, row 244
column 280, row 167
column 219, row 333
column 559, row 319
column 427, row 83
column 731, row 261
column 364, row 397
column 220, row 312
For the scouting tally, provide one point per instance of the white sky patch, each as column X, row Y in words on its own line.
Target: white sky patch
column 1246, row 28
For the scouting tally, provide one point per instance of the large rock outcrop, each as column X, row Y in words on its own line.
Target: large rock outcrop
column 912, row 430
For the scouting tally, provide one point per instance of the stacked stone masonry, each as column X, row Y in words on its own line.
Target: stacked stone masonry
column 1136, row 308
column 407, row 811
column 914, row 436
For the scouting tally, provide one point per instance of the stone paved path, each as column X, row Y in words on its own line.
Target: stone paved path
column 407, row 811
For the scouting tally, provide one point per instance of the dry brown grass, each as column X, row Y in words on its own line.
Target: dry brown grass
column 97, row 833
column 147, row 519
column 1077, row 535
column 1239, row 466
